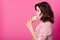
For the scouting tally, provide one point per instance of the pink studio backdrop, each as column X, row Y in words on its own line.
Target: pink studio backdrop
column 15, row 13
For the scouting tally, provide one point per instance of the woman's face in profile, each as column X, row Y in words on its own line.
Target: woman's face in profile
column 38, row 11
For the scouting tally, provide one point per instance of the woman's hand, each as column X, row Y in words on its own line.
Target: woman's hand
column 29, row 24
column 30, row 27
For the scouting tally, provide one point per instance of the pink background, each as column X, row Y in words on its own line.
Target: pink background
column 15, row 13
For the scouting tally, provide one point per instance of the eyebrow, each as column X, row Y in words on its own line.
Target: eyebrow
column 37, row 9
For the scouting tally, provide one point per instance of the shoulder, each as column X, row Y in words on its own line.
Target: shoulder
column 46, row 28
column 46, row 24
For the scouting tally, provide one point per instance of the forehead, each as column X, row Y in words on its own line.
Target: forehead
column 37, row 8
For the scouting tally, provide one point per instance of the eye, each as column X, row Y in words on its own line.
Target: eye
column 37, row 10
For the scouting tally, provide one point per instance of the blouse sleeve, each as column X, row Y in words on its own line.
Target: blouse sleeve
column 44, row 32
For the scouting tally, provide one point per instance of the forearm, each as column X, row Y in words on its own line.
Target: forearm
column 33, row 34
column 30, row 27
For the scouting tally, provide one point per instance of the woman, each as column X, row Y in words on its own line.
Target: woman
column 44, row 29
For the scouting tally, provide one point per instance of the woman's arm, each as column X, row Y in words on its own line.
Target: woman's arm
column 33, row 34
column 30, row 27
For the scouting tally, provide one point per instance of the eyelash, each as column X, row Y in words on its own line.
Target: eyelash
column 37, row 10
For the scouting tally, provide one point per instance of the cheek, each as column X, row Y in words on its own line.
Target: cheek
column 37, row 13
